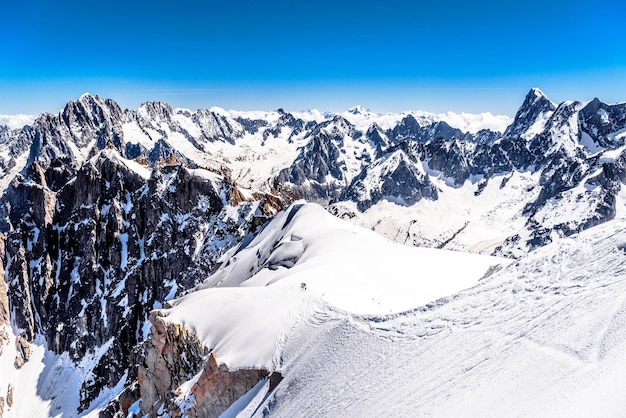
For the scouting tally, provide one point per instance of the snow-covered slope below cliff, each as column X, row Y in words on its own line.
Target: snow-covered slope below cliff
column 247, row 310
column 48, row 385
column 545, row 335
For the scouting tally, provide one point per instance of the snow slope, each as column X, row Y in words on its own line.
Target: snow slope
column 257, row 297
column 458, row 220
column 47, row 384
column 545, row 335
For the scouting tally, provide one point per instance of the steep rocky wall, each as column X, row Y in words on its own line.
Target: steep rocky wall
column 4, row 301
column 173, row 356
column 4, row 306
column 217, row 388
column 170, row 357
column 86, row 263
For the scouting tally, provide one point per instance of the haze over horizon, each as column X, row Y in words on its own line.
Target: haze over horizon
column 448, row 56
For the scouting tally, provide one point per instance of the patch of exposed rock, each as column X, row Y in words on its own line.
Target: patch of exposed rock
column 173, row 356
column 4, row 300
column 22, row 348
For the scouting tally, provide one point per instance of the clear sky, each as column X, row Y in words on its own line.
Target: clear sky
column 471, row 56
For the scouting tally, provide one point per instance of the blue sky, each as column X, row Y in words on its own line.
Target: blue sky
column 471, row 56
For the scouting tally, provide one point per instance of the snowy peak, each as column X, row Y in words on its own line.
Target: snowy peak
column 91, row 109
column 377, row 138
column 407, row 129
column 603, row 124
column 358, row 110
column 318, row 173
column 538, row 95
column 156, row 111
column 562, row 131
column 398, row 177
column 532, row 116
column 83, row 124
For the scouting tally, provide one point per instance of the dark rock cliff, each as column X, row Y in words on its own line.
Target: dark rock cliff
column 87, row 263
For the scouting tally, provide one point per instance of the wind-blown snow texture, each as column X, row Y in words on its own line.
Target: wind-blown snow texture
column 108, row 213
column 348, row 267
column 544, row 336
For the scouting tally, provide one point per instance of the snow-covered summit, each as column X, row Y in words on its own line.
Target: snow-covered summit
column 532, row 117
column 539, row 94
column 358, row 110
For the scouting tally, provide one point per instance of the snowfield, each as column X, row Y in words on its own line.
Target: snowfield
column 343, row 266
column 47, row 384
column 384, row 332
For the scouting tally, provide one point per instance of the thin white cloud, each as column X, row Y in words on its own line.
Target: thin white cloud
column 469, row 122
column 16, row 121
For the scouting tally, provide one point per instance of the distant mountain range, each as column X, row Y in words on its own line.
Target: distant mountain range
column 107, row 213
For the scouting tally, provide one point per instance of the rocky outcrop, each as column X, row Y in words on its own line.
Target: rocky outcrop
column 10, row 391
column 286, row 120
column 4, row 301
column 89, row 261
column 318, row 173
column 22, row 347
column 604, row 123
column 217, row 388
column 173, row 356
column 409, row 129
column 398, row 177
column 170, row 357
column 451, row 158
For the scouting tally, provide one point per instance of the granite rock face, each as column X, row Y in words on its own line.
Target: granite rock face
column 173, row 355
column 4, row 301
column 397, row 176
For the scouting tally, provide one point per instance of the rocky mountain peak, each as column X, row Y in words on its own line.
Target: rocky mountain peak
column 537, row 94
column 358, row 110
column 90, row 110
column 531, row 116
column 397, row 177
column 407, row 129
column 158, row 111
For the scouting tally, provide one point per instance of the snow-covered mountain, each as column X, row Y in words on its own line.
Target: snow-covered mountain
column 380, row 332
column 106, row 214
